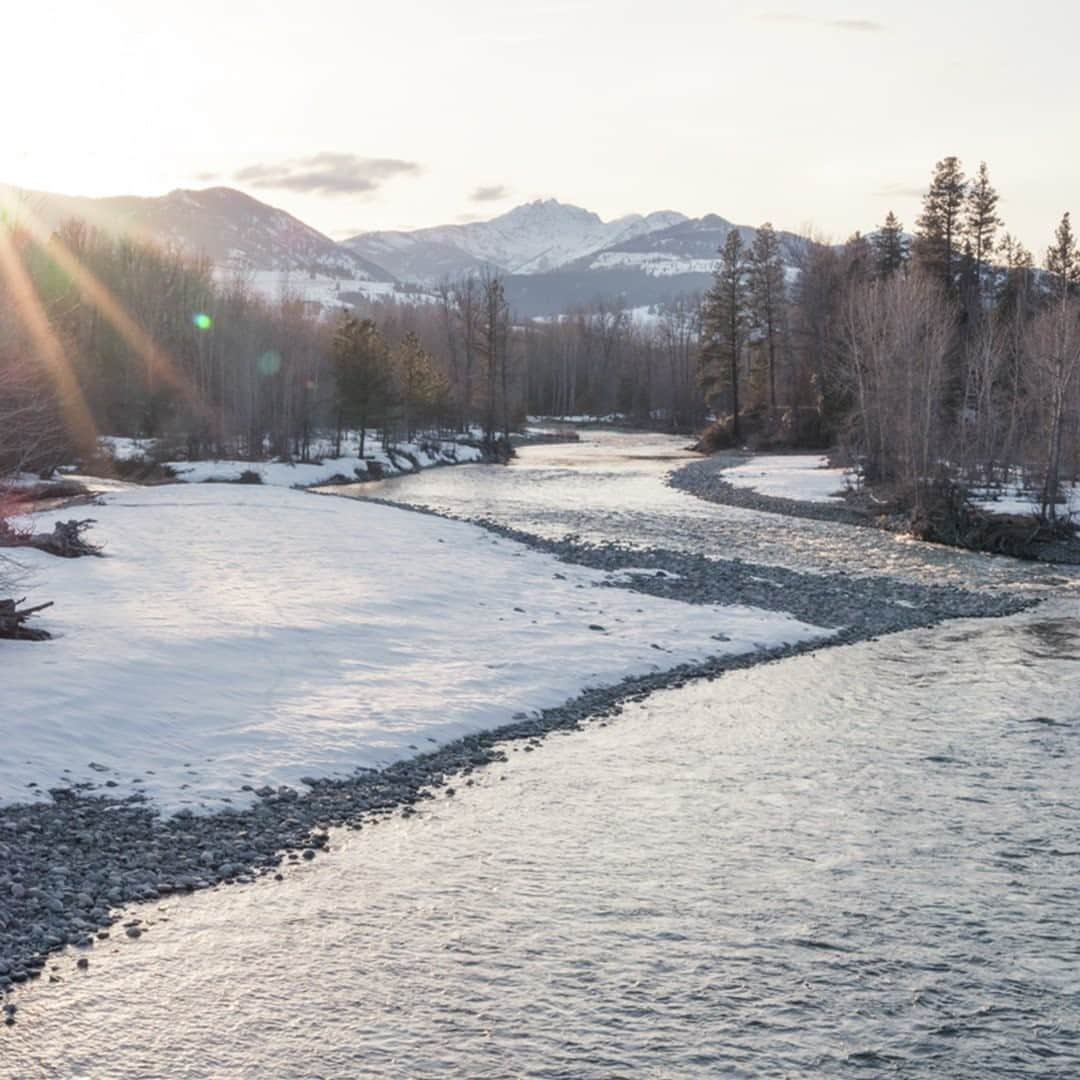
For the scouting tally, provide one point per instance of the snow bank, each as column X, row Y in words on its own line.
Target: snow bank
column 805, row 477
column 287, row 474
column 399, row 459
column 258, row 635
column 1018, row 501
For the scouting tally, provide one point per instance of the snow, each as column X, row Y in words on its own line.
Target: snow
column 533, row 238
column 257, row 635
column 324, row 290
column 120, row 448
column 399, row 459
column 805, row 477
column 289, row 474
column 655, row 263
column 578, row 418
column 1020, row 501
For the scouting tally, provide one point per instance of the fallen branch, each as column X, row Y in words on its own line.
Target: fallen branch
column 66, row 540
column 13, row 618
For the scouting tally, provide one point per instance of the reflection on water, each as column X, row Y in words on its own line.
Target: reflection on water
column 610, row 487
column 862, row 861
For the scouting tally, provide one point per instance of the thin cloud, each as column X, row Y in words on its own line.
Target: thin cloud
column 901, row 191
column 859, row 26
column 489, row 193
column 327, row 174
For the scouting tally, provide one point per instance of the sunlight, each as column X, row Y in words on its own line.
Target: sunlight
column 77, row 417
column 158, row 364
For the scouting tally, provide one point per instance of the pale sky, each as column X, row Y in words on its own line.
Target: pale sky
column 358, row 115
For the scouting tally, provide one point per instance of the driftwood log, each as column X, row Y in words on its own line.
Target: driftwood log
column 66, row 539
column 13, row 621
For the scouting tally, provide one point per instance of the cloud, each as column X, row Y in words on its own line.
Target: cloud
column 327, row 174
column 489, row 193
column 859, row 26
column 901, row 191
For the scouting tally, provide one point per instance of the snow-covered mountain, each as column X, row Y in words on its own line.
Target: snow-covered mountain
column 536, row 237
column 687, row 247
column 553, row 255
column 230, row 228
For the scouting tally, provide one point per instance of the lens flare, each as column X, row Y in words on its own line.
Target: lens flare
column 202, row 321
column 269, row 363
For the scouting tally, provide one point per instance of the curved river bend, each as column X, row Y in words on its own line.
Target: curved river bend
column 862, row 861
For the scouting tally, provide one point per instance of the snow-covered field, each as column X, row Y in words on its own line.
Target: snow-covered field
column 805, row 477
column 253, row 635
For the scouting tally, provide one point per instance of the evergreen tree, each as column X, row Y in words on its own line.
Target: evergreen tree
column 940, row 226
column 421, row 385
column 767, row 296
column 723, row 323
column 890, row 247
column 858, row 257
column 1063, row 261
column 361, row 375
column 981, row 221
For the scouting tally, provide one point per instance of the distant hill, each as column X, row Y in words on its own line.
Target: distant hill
column 232, row 229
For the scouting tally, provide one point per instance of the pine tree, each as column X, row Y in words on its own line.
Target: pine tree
column 1063, row 261
column 723, row 324
column 940, row 226
column 422, row 386
column 981, row 221
column 1059, row 357
column 767, row 297
column 361, row 375
column 890, row 247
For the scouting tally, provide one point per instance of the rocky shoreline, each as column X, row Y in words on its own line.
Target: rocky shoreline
column 68, row 868
column 704, row 479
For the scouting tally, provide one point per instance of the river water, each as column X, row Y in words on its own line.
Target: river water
column 864, row 861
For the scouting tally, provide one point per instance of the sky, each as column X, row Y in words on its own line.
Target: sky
column 358, row 115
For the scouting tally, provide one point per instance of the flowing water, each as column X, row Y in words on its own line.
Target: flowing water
column 864, row 861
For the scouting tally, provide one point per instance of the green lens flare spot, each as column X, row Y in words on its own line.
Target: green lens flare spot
column 269, row 363
column 202, row 321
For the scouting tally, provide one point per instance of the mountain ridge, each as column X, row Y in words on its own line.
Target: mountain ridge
column 553, row 255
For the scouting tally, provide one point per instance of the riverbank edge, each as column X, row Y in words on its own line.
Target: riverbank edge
column 704, row 480
column 121, row 852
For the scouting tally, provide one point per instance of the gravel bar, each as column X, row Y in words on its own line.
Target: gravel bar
column 68, row 867
column 705, row 480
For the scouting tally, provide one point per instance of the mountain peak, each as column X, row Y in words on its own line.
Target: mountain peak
column 534, row 237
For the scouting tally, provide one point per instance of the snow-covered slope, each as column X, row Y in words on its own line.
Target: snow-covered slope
column 233, row 230
column 689, row 246
column 533, row 238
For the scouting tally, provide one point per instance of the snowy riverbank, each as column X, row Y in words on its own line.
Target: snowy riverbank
column 247, row 636
column 275, row 640
column 328, row 465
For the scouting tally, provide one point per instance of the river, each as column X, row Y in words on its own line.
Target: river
column 862, row 861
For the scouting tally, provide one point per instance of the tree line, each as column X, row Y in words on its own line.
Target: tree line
column 102, row 334
column 944, row 354
column 947, row 346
